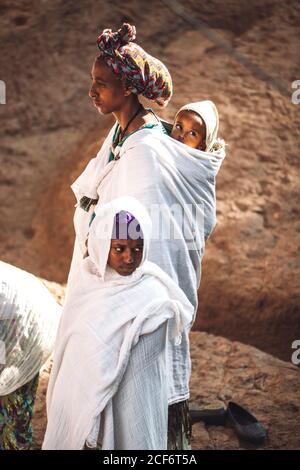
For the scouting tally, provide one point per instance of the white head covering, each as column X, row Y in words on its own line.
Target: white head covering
column 208, row 112
column 102, row 227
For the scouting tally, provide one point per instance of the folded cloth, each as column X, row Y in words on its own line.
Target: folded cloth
column 102, row 321
column 29, row 318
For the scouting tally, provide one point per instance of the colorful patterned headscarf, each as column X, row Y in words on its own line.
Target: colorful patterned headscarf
column 141, row 73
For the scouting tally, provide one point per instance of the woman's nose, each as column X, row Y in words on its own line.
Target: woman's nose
column 92, row 92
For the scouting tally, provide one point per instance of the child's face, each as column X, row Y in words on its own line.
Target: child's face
column 189, row 129
column 125, row 255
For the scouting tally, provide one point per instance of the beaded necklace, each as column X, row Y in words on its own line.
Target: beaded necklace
column 118, row 138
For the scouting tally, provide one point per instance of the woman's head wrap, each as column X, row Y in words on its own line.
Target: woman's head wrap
column 140, row 72
column 208, row 112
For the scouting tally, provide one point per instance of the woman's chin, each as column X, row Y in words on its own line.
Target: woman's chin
column 98, row 107
column 101, row 110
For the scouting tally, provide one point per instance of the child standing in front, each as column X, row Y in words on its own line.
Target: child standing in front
column 108, row 387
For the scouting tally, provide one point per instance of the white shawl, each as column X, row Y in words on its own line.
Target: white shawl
column 163, row 174
column 102, row 321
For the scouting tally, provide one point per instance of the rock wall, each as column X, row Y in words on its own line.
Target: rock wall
column 244, row 56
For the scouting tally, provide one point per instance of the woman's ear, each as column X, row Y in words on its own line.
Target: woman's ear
column 126, row 89
column 127, row 92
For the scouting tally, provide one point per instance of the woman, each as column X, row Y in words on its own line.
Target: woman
column 29, row 318
column 138, row 159
column 120, row 73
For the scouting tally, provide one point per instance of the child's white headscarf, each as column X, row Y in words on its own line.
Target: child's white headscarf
column 102, row 227
column 208, row 112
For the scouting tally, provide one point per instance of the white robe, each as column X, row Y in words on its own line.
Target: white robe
column 158, row 171
column 105, row 317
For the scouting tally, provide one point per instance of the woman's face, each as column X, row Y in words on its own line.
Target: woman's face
column 189, row 129
column 107, row 90
column 125, row 255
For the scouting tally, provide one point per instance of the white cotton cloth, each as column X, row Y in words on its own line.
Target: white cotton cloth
column 166, row 174
column 29, row 318
column 207, row 110
column 135, row 420
column 103, row 319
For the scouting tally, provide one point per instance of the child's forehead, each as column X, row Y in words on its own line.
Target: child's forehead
column 191, row 116
column 129, row 242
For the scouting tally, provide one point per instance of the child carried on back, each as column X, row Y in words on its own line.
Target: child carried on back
column 197, row 125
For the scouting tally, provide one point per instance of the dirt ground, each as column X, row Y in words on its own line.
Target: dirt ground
column 244, row 56
column 224, row 371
